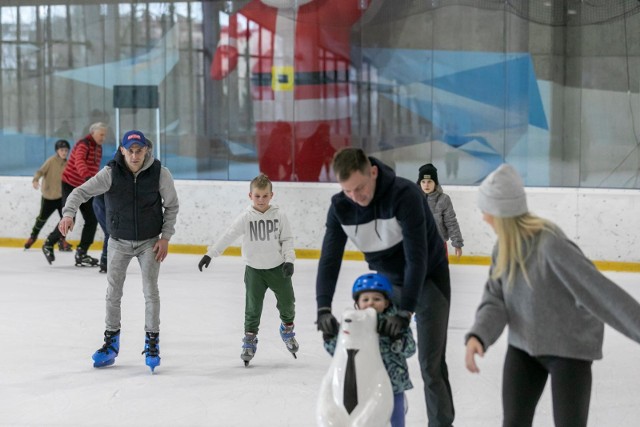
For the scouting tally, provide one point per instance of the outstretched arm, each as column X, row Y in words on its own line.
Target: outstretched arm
column 99, row 184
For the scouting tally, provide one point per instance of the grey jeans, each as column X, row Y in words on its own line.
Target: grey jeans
column 118, row 258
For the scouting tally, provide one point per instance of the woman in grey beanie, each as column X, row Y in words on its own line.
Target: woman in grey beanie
column 554, row 301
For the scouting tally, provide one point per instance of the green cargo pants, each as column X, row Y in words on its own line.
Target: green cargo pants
column 256, row 283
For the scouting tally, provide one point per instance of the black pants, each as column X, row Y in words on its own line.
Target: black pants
column 524, row 379
column 432, row 320
column 90, row 221
column 101, row 215
column 47, row 207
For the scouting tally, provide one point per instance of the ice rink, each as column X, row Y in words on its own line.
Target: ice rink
column 52, row 320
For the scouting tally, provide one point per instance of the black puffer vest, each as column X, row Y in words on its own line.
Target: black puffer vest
column 133, row 204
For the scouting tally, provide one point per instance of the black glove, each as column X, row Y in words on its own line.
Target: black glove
column 204, row 262
column 327, row 323
column 394, row 326
column 326, row 338
column 287, row 270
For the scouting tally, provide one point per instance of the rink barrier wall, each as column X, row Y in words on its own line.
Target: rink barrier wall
column 602, row 222
column 631, row 267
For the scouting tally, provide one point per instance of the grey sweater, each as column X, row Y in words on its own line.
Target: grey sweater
column 563, row 311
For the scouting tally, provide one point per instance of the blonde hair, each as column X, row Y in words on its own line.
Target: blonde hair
column 261, row 182
column 515, row 244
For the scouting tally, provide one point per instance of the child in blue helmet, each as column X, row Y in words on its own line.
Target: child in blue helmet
column 375, row 290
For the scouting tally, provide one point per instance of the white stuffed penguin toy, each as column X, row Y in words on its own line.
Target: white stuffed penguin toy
column 356, row 391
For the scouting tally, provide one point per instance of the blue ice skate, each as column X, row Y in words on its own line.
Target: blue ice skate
column 106, row 355
column 288, row 336
column 152, row 350
column 249, row 347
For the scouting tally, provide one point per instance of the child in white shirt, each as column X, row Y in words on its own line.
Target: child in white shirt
column 267, row 249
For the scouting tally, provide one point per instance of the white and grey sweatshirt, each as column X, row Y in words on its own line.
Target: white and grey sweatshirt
column 267, row 241
column 562, row 311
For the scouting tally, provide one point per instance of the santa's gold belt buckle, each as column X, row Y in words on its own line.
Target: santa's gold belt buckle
column 282, row 78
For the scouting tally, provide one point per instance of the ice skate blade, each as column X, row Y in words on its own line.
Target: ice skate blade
column 246, row 357
column 152, row 362
column 104, row 364
column 49, row 259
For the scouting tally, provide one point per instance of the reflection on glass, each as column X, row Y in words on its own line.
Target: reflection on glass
column 297, row 57
column 280, row 85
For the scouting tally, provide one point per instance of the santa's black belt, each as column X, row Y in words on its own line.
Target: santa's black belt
column 302, row 78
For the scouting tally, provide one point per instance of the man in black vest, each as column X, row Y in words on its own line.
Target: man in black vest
column 142, row 206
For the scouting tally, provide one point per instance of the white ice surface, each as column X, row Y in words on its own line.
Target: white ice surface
column 52, row 320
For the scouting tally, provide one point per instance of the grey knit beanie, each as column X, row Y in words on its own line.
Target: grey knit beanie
column 502, row 193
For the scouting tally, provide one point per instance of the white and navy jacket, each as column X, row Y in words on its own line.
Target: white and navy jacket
column 396, row 232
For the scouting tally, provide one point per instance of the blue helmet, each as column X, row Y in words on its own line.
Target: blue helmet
column 372, row 282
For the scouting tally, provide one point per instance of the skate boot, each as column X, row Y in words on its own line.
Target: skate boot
column 83, row 259
column 249, row 347
column 103, row 264
column 152, row 349
column 64, row 246
column 47, row 250
column 289, row 338
column 106, row 355
column 30, row 241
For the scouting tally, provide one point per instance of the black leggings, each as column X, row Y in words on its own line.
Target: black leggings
column 47, row 207
column 523, row 381
column 90, row 221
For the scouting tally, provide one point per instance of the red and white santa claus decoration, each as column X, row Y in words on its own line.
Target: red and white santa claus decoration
column 299, row 53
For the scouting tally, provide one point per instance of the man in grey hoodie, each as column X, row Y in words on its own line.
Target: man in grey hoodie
column 142, row 206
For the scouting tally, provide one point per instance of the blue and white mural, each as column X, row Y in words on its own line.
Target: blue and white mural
column 485, row 106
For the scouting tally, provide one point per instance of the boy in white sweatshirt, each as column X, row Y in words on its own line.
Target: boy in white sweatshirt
column 267, row 249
